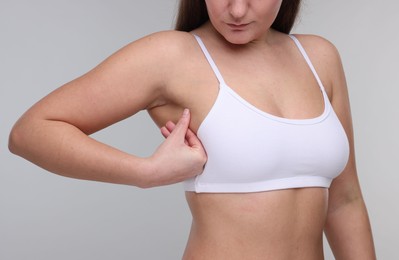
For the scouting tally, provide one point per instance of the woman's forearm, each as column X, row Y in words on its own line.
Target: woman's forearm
column 65, row 150
column 349, row 232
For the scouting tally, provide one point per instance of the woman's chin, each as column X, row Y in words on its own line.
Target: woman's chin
column 241, row 37
column 238, row 39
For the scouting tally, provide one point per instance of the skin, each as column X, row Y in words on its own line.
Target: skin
column 153, row 73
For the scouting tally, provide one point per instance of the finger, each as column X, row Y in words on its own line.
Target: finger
column 165, row 132
column 181, row 127
column 170, row 126
column 192, row 139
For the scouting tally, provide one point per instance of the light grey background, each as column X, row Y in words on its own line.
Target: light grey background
column 46, row 43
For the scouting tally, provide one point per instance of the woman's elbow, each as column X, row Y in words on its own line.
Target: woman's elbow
column 15, row 139
column 18, row 138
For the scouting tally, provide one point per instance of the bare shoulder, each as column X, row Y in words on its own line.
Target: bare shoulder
column 164, row 43
column 156, row 53
column 318, row 46
column 326, row 59
column 163, row 53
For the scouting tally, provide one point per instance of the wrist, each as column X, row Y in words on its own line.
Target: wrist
column 145, row 173
column 134, row 171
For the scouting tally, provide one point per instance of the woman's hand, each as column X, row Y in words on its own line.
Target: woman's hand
column 179, row 157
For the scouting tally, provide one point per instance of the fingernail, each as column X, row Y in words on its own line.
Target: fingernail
column 185, row 112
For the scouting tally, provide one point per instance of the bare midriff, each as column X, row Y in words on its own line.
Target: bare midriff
column 284, row 224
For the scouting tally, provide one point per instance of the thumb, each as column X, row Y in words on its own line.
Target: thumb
column 182, row 125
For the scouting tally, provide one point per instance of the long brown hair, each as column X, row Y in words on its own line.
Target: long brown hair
column 193, row 13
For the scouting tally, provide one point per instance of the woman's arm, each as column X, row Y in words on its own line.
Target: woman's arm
column 347, row 227
column 54, row 133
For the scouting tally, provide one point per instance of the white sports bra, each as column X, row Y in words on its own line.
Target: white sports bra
column 264, row 152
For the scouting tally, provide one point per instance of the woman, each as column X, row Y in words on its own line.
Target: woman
column 263, row 140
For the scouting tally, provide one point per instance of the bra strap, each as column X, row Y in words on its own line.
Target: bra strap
column 210, row 60
column 305, row 55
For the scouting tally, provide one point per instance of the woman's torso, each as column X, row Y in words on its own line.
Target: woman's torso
column 284, row 224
